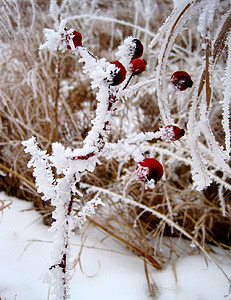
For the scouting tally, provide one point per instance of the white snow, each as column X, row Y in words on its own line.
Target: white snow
column 109, row 271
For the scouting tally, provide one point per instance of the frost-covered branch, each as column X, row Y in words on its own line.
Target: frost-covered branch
column 70, row 165
column 58, row 175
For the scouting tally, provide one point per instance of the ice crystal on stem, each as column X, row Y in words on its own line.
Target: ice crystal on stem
column 70, row 165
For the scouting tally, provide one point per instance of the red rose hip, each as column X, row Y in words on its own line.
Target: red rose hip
column 77, row 39
column 181, row 80
column 149, row 171
column 118, row 76
column 172, row 132
column 137, row 48
column 138, row 66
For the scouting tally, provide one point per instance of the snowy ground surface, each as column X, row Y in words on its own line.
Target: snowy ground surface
column 109, row 272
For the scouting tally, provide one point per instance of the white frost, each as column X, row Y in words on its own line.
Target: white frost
column 180, row 4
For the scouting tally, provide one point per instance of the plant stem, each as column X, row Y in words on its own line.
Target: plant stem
column 56, row 129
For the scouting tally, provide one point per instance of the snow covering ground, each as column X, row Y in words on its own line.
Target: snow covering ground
column 109, row 271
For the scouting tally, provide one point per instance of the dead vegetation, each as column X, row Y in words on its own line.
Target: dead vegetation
column 49, row 97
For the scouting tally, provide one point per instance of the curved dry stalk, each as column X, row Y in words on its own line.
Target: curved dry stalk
column 170, row 222
column 134, row 248
column 17, row 175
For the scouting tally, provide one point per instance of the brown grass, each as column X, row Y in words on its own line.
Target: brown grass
column 33, row 102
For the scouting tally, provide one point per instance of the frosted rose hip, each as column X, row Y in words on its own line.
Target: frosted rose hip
column 138, row 48
column 181, row 80
column 149, row 170
column 77, row 39
column 119, row 75
column 172, row 132
column 138, row 66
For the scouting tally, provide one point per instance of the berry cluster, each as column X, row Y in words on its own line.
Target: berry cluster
column 149, row 170
column 136, row 67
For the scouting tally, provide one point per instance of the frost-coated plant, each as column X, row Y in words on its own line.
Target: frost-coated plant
column 61, row 186
column 58, row 175
column 199, row 124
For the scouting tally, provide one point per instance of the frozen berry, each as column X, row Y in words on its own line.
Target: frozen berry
column 138, row 48
column 181, row 80
column 172, row 133
column 117, row 76
column 149, row 171
column 138, row 66
column 77, row 39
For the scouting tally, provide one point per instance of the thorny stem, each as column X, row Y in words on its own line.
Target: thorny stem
column 56, row 130
column 63, row 262
column 100, row 141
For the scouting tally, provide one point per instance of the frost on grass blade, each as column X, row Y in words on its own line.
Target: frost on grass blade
column 180, row 4
column 227, row 99
column 206, row 18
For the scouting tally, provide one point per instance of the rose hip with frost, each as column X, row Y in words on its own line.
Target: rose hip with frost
column 149, row 170
column 77, row 39
column 172, row 132
column 181, row 80
column 138, row 66
column 118, row 76
column 138, row 49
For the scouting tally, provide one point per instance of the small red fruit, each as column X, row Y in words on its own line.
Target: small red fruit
column 149, row 170
column 118, row 76
column 77, row 39
column 138, row 66
column 138, row 48
column 172, row 132
column 181, row 80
